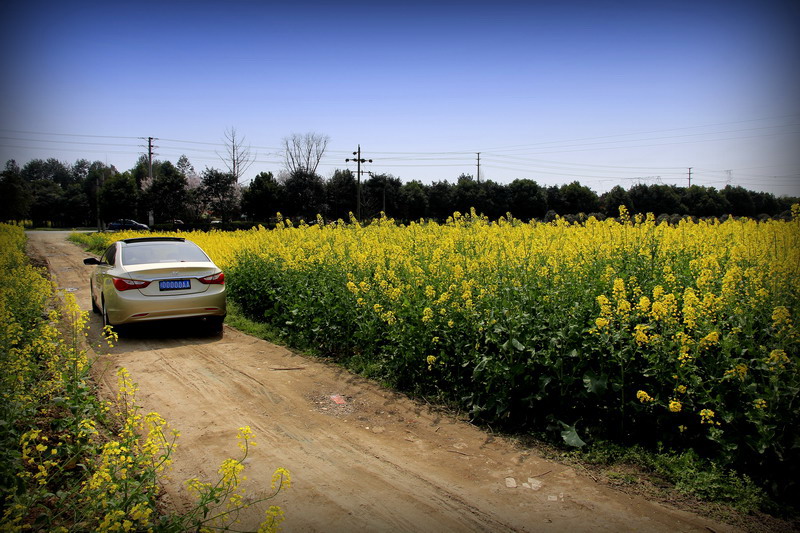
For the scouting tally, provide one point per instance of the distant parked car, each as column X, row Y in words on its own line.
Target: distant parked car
column 126, row 223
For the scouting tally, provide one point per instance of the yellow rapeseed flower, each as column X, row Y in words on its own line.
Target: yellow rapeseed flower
column 709, row 340
column 281, row 479
column 245, row 438
column 644, row 397
column 605, row 305
column 777, row 359
column 640, row 334
column 738, row 371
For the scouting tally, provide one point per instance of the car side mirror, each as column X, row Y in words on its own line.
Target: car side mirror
column 91, row 261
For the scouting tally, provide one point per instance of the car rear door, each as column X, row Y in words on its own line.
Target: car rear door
column 107, row 262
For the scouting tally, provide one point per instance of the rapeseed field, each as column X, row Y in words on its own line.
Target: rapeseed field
column 682, row 336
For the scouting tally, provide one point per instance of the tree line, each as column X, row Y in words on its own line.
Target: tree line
column 91, row 194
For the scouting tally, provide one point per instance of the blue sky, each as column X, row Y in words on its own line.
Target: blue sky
column 605, row 93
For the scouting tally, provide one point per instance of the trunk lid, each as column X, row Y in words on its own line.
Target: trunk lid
column 170, row 273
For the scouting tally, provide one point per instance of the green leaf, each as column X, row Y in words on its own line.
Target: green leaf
column 570, row 436
column 594, row 383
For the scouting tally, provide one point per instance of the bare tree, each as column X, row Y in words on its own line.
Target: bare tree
column 302, row 153
column 237, row 156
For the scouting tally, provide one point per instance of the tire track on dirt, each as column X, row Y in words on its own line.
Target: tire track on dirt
column 372, row 466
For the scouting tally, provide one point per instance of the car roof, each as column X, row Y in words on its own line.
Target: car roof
column 153, row 239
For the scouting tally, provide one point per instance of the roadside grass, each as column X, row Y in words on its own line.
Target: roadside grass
column 72, row 462
column 260, row 330
column 685, row 471
column 680, row 479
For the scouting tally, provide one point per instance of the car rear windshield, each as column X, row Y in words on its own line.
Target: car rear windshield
column 162, row 252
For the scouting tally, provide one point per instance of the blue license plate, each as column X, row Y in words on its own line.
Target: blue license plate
column 174, row 284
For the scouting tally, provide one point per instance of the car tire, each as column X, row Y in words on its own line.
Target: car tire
column 215, row 324
column 106, row 322
column 104, row 313
column 95, row 309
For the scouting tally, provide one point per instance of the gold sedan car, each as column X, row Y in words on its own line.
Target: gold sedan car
column 156, row 278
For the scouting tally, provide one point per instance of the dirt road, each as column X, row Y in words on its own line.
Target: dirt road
column 377, row 462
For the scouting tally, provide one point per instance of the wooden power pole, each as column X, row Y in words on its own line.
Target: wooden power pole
column 358, row 159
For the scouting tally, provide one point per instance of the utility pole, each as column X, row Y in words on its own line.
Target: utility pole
column 358, row 160
column 479, row 167
column 150, row 154
column 150, row 158
column 690, row 176
column 150, row 147
column 100, row 180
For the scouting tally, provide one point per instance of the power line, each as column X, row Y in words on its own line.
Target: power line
column 61, row 142
column 546, row 145
column 77, row 150
column 518, row 158
column 69, row 134
column 543, row 162
column 514, row 147
column 581, row 175
column 217, row 144
column 540, row 148
column 665, row 144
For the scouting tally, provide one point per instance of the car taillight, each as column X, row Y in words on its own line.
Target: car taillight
column 218, row 279
column 127, row 284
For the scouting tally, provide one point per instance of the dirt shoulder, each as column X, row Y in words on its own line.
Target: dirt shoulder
column 362, row 458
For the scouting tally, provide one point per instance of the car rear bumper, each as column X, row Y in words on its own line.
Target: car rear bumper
column 131, row 306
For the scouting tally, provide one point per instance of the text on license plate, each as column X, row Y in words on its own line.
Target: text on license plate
column 174, row 284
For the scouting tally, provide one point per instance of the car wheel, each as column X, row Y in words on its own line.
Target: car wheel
column 105, row 313
column 215, row 324
column 120, row 329
column 95, row 309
